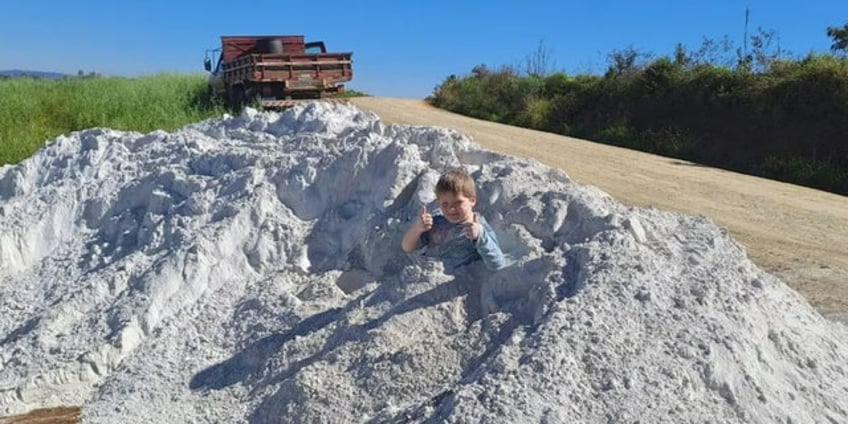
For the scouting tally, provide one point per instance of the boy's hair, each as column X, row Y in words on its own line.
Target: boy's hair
column 457, row 182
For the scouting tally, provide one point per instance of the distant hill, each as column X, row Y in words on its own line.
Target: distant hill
column 14, row 73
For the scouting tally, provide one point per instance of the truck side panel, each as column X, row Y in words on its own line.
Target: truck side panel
column 295, row 70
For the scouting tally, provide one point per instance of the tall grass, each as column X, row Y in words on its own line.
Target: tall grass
column 33, row 111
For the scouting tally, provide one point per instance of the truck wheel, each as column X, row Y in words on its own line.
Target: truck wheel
column 237, row 98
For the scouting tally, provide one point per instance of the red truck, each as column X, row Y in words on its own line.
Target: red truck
column 275, row 69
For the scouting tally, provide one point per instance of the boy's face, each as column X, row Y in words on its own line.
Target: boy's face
column 457, row 208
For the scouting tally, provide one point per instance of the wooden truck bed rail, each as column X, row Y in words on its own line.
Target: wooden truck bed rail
column 329, row 67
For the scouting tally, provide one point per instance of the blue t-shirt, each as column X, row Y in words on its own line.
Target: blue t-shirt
column 446, row 241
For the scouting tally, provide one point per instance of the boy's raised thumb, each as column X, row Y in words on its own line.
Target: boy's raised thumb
column 423, row 209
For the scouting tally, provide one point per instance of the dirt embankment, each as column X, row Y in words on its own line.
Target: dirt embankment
column 796, row 233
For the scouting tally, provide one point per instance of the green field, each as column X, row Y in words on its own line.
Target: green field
column 34, row 111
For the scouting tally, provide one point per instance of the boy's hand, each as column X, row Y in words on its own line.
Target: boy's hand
column 473, row 229
column 425, row 221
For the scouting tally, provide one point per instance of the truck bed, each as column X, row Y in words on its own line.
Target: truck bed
column 294, row 69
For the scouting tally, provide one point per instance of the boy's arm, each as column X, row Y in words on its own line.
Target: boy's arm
column 489, row 249
column 411, row 239
column 413, row 234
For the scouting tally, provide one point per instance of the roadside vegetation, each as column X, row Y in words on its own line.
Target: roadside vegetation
column 351, row 93
column 33, row 111
column 754, row 109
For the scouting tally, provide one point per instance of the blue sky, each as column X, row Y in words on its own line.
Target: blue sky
column 401, row 48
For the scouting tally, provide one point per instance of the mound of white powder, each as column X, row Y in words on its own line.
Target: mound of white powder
column 248, row 269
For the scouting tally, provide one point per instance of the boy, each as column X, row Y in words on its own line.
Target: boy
column 459, row 236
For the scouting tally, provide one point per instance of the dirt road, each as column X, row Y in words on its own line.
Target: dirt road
column 796, row 233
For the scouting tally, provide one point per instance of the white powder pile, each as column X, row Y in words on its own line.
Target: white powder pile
column 248, row 269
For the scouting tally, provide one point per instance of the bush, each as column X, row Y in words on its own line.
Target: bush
column 740, row 119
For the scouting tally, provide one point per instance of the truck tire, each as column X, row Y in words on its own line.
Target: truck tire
column 271, row 46
column 237, row 97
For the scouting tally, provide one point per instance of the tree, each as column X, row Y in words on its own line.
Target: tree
column 538, row 64
column 716, row 53
column 766, row 50
column 680, row 57
column 625, row 61
column 840, row 38
column 480, row 71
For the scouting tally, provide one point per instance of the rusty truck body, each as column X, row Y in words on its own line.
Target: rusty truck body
column 275, row 69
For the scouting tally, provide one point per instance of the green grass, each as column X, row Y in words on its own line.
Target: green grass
column 33, row 111
column 350, row 93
